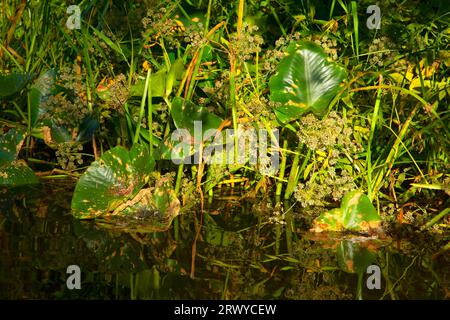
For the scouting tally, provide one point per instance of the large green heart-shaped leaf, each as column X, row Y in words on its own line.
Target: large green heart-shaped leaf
column 10, row 144
column 161, row 82
column 152, row 210
column 14, row 172
column 17, row 173
column 359, row 212
column 115, row 178
column 12, row 83
column 186, row 115
column 306, row 80
column 42, row 88
column 356, row 213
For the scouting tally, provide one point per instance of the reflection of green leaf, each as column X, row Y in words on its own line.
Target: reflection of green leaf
column 185, row 113
column 112, row 180
column 305, row 81
column 113, row 253
column 12, row 83
column 215, row 235
column 356, row 213
column 353, row 258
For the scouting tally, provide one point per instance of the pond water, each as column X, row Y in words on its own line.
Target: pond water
column 240, row 253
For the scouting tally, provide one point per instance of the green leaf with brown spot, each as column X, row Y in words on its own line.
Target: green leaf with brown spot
column 17, row 174
column 112, row 180
column 356, row 213
column 359, row 214
column 10, row 145
column 14, row 172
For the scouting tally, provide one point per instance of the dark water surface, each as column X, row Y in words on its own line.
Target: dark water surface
column 240, row 254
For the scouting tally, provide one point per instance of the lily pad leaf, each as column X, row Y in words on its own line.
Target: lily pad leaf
column 17, row 173
column 356, row 213
column 359, row 212
column 112, row 180
column 154, row 208
column 14, row 172
column 305, row 81
column 10, row 145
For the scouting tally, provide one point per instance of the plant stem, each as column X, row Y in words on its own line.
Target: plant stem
column 142, row 109
column 282, row 170
column 369, row 144
column 150, row 113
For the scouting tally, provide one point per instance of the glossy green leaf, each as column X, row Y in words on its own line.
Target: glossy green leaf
column 112, row 180
column 173, row 150
column 359, row 212
column 158, row 85
column 17, row 173
column 175, row 73
column 153, row 208
column 14, row 172
column 161, row 82
column 185, row 114
column 12, row 83
column 356, row 213
column 329, row 221
column 42, row 88
column 306, row 80
column 87, row 129
column 10, row 145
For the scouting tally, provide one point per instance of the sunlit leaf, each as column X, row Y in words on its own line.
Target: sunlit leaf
column 356, row 213
column 306, row 80
column 14, row 172
column 17, row 173
column 110, row 181
column 185, row 114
